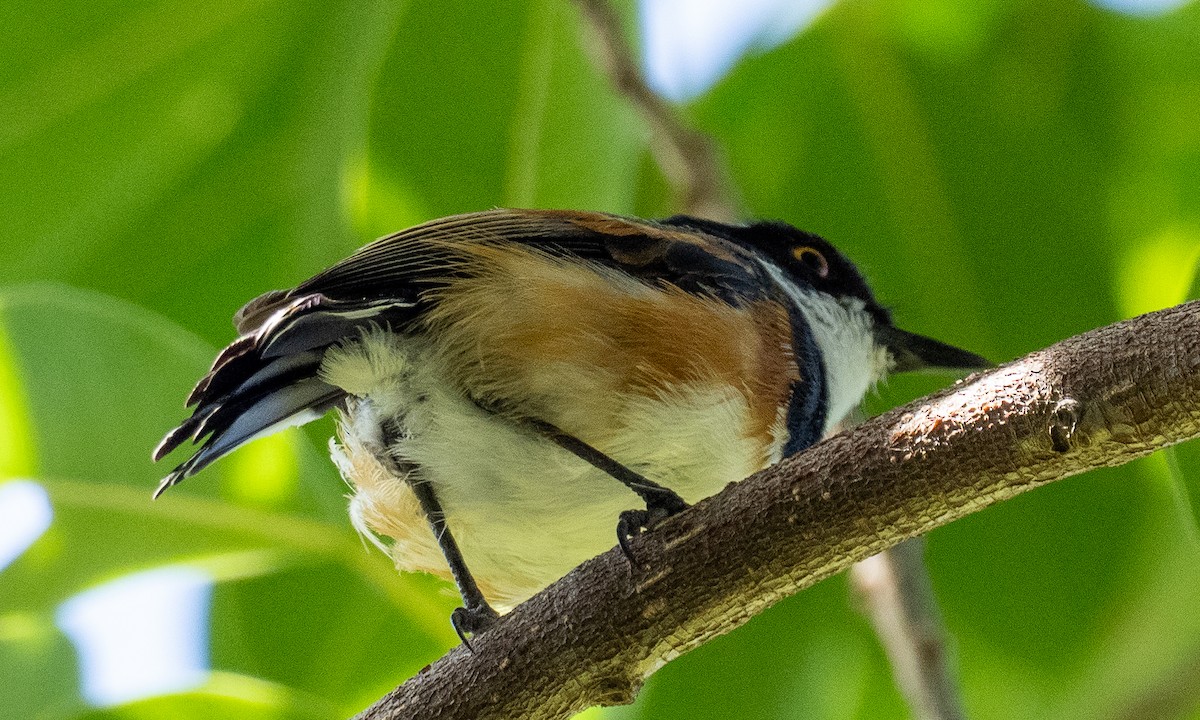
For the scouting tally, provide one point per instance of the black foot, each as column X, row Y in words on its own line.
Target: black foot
column 634, row 522
column 472, row 621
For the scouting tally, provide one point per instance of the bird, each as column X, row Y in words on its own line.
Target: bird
column 512, row 384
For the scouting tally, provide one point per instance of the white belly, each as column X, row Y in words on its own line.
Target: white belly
column 523, row 510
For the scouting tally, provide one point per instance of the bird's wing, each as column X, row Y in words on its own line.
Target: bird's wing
column 268, row 377
column 399, row 266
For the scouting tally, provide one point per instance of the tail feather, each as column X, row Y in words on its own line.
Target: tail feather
column 253, row 373
column 290, row 406
column 231, row 352
column 239, row 403
column 303, row 364
column 268, row 378
column 175, row 438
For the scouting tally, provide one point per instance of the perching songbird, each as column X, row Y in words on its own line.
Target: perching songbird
column 514, row 380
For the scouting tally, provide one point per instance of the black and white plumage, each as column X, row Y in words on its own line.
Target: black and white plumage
column 476, row 360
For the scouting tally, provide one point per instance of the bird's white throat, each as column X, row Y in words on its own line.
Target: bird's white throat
column 844, row 333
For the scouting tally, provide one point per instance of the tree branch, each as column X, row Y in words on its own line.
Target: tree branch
column 1099, row 399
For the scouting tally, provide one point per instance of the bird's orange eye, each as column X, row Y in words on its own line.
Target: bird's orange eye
column 812, row 258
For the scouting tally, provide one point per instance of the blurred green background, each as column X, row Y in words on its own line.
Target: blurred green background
column 1007, row 172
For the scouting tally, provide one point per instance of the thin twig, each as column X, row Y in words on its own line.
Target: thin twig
column 1099, row 399
column 688, row 158
column 898, row 597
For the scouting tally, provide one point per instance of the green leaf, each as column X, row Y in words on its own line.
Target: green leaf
column 17, row 454
column 101, row 381
column 156, row 150
column 523, row 117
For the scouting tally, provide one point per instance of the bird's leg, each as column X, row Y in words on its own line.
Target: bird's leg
column 661, row 502
column 475, row 615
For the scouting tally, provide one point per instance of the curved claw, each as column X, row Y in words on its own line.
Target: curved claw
column 634, row 522
column 472, row 621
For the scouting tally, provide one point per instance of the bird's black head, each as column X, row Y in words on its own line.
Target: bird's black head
column 808, row 259
column 812, row 262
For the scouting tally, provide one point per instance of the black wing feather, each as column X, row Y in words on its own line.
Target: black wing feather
column 413, row 260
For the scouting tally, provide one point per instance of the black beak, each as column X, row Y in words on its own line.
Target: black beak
column 911, row 351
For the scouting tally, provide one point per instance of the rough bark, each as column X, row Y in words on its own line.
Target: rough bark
column 1099, row 399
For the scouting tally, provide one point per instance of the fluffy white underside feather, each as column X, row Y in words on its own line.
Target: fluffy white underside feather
column 523, row 510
